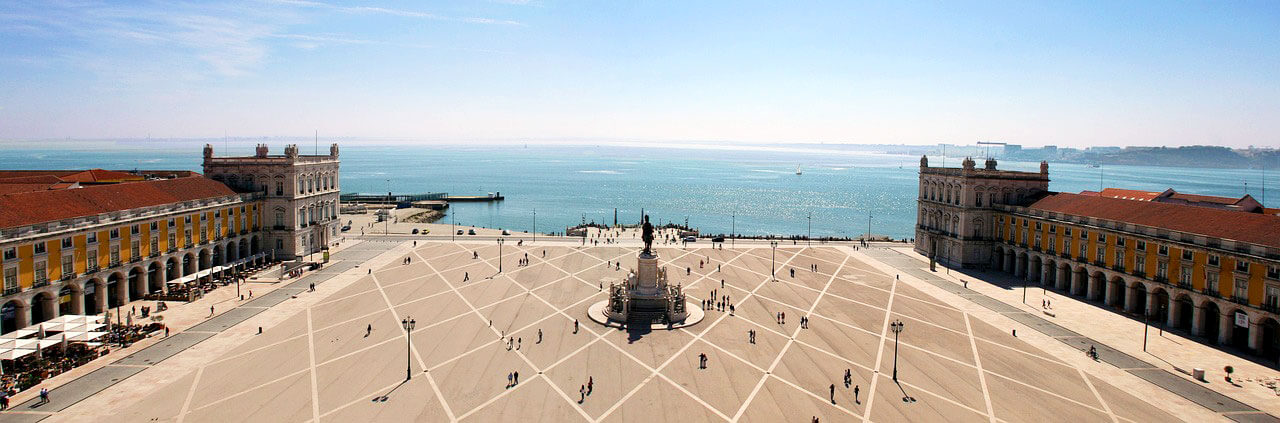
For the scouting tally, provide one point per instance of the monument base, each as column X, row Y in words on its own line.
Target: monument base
column 598, row 313
column 644, row 298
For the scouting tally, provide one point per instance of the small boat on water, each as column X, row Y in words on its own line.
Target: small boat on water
column 798, row 172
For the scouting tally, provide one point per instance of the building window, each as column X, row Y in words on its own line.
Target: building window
column 1025, row 222
column 91, row 260
column 217, row 229
column 1162, row 250
column 978, row 199
column 66, row 242
column 1213, row 260
column 1211, row 281
column 1241, row 291
column 1038, row 227
column 279, row 218
column 1162, row 271
column 1142, row 246
column 1066, row 245
column 92, row 237
column 1185, row 277
column 1139, row 263
column 1272, row 299
column 42, row 273
column 40, row 247
column 1120, row 259
column 1242, row 266
column 186, row 219
column 1102, row 253
column 173, row 222
column 1084, row 234
column 135, row 249
column 115, row 254
column 173, row 240
column 155, row 244
column 10, row 253
column 186, row 237
column 10, row 280
column 1187, row 255
column 1037, row 244
column 1273, row 272
column 1084, row 251
column 134, row 229
column 154, row 226
column 204, row 217
column 68, row 266
column 1120, row 241
column 279, row 244
column 279, row 188
column 1102, row 238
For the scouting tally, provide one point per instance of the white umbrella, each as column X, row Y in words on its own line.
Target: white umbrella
column 41, row 335
column 18, row 334
column 14, row 354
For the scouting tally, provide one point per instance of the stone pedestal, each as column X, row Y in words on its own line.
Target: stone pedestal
column 647, row 274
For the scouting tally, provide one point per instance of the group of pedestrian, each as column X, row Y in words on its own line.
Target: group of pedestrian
column 524, row 261
column 1046, row 304
column 406, row 260
column 585, row 390
column 513, row 379
column 751, row 336
column 702, row 360
column 781, row 317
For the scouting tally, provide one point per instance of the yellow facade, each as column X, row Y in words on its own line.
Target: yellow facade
column 1014, row 228
column 53, row 256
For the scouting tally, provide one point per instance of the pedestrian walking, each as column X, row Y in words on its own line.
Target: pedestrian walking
column 575, row 326
column 44, row 396
column 582, row 393
column 517, row 375
column 368, row 330
column 166, row 331
column 466, row 276
column 508, row 380
column 855, row 395
column 210, row 311
column 590, row 384
column 833, row 393
column 539, row 335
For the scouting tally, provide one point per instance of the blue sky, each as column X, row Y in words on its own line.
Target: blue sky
column 1064, row 73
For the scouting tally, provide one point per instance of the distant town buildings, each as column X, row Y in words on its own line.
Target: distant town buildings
column 1207, row 264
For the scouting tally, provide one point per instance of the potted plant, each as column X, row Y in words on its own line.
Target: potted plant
column 1229, row 371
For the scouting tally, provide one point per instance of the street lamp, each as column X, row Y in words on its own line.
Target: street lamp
column 386, row 224
column 408, row 323
column 733, row 230
column 773, row 263
column 500, row 242
column 810, row 238
column 535, row 225
column 453, row 228
column 896, row 327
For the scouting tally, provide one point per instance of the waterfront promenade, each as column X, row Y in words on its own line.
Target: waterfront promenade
column 318, row 360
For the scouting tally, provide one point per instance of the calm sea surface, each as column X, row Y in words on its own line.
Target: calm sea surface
column 708, row 186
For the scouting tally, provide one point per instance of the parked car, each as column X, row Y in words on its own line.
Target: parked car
column 471, row 231
column 459, row 231
column 690, row 239
column 719, row 239
column 346, row 228
column 506, row 232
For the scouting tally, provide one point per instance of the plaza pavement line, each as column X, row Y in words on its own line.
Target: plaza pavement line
column 1205, row 397
column 72, row 392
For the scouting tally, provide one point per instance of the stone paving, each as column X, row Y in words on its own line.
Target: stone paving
column 1112, row 335
column 323, row 363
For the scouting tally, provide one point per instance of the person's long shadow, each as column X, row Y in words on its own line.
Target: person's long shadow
column 905, row 397
column 384, row 397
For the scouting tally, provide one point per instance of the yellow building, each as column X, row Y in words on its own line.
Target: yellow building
column 1209, row 265
column 80, row 246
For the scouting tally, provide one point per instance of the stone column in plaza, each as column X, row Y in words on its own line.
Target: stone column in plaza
column 1130, row 299
column 1091, row 287
column 1064, row 277
column 1175, row 310
column 1255, row 336
column 100, row 298
column 1045, row 274
column 1108, row 292
column 647, row 274
column 1020, row 266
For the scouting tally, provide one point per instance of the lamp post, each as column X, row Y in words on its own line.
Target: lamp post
column 408, row 323
column 386, row 224
column 453, row 228
column 733, row 229
column 868, row 228
column 535, row 225
column 773, row 263
column 810, row 236
column 500, row 242
column 896, row 327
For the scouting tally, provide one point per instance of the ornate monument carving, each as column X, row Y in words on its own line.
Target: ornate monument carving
column 644, row 298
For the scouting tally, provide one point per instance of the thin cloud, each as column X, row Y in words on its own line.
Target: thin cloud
column 396, row 12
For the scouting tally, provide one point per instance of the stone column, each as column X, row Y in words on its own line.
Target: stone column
column 1108, row 292
column 1008, row 261
column 122, row 290
column 1064, row 278
column 1152, row 305
column 1091, row 287
column 1226, row 326
column 100, row 297
column 1130, row 299
column 1075, row 282
column 50, row 308
column 77, row 302
column 1197, row 320
column 1255, row 336
column 1175, row 310
column 1020, row 268
column 1045, row 278
column 24, row 316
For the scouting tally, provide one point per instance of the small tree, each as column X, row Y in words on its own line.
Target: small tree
column 1229, row 371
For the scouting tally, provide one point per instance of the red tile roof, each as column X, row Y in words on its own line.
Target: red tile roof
column 1205, row 198
column 26, row 208
column 1254, row 228
column 91, row 175
column 1128, row 194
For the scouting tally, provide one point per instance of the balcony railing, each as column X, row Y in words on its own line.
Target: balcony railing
column 1035, row 248
column 1240, row 300
column 1272, row 307
column 66, row 276
column 91, row 269
column 155, row 253
column 12, row 290
column 1140, row 273
column 278, row 227
column 172, row 249
column 1211, row 292
column 1117, row 267
column 1185, row 285
column 40, row 282
column 115, row 262
column 1161, row 279
column 1099, row 263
